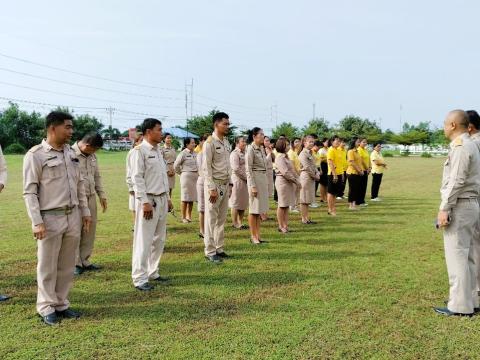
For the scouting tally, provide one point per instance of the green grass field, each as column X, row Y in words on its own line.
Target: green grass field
column 361, row 285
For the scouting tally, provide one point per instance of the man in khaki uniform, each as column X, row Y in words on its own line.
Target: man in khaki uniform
column 54, row 194
column 150, row 184
column 3, row 182
column 458, row 215
column 217, row 172
column 474, row 131
column 85, row 150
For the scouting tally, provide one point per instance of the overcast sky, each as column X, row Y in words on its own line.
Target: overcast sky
column 367, row 58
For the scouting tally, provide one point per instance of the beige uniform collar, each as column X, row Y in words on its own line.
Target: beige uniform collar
column 47, row 147
column 458, row 141
column 149, row 146
column 476, row 135
column 215, row 137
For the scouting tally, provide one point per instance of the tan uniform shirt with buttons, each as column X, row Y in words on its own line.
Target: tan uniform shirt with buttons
column 170, row 154
column 216, row 162
column 46, row 174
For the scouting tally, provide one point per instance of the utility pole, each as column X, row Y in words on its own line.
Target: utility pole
column 276, row 115
column 313, row 118
column 186, row 106
column 191, row 100
column 110, row 117
column 401, row 108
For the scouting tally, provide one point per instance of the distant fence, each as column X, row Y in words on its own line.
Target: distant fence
column 417, row 149
column 117, row 145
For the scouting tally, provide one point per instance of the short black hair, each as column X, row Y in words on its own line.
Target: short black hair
column 93, row 139
column 474, row 119
column 149, row 124
column 186, row 141
column 57, row 118
column 318, row 143
column 313, row 135
column 219, row 116
column 353, row 143
column 166, row 134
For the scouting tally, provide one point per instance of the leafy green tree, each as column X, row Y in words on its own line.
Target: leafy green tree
column 84, row 124
column 17, row 126
column 287, row 129
column 202, row 124
column 318, row 126
column 111, row 133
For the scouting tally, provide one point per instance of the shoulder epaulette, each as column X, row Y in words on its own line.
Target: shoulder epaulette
column 458, row 141
column 210, row 139
column 137, row 147
column 35, row 148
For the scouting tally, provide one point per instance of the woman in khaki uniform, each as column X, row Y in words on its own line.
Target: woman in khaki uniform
column 186, row 166
column 238, row 201
column 308, row 175
column 256, row 168
column 286, row 181
column 270, row 159
column 200, row 193
column 169, row 154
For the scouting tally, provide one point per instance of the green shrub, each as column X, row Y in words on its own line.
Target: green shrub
column 426, row 155
column 405, row 153
column 15, row 148
column 387, row 153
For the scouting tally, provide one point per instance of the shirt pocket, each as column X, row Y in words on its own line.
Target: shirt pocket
column 54, row 169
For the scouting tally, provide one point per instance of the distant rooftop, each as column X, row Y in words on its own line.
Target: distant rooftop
column 180, row 133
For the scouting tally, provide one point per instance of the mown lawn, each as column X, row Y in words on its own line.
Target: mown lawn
column 361, row 285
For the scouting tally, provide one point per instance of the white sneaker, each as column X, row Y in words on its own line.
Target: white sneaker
column 294, row 210
column 376, row 199
column 364, row 204
column 314, row 205
column 339, row 198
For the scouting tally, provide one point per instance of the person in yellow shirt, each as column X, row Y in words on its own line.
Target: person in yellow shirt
column 343, row 152
column 378, row 166
column 318, row 164
column 324, row 166
column 363, row 152
column 293, row 156
column 199, row 147
column 335, row 174
column 354, row 173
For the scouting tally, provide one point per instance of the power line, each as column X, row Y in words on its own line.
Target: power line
column 88, row 86
column 87, row 97
column 88, row 75
column 230, row 104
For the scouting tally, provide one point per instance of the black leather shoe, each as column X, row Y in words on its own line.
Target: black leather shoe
column 446, row 312
column 92, row 267
column 223, row 255
column 144, row 287
column 214, row 259
column 4, row 298
column 78, row 270
column 51, row 319
column 68, row 314
column 161, row 279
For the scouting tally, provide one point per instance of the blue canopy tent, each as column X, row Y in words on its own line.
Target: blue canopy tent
column 180, row 133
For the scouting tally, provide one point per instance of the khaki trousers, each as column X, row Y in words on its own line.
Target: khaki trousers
column 85, row 247
column 215, row 217
column 459, row 255
column 56, row 261
column 149, row 240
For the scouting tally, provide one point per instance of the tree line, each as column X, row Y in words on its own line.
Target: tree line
column 20, row 130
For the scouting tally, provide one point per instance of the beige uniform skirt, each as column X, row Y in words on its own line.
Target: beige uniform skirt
column 200, row 194
column 307, row 190
column 188, row 186
column 239, row 198
column 258, row 204
column 286, row 192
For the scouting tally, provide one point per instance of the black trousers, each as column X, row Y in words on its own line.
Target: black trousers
column 353, row 187
column 363, row 188
column 376, row 181
column 275, row 195
column 343, row 184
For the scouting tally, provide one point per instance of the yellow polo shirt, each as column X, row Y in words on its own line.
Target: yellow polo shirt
column 335, row 155
column 353, row 155
column 379, row 158
column 318, row 158
column 293, row 156
column 365, row 157
column 343, row 154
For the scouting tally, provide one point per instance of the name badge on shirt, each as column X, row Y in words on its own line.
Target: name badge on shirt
column 152, row 157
